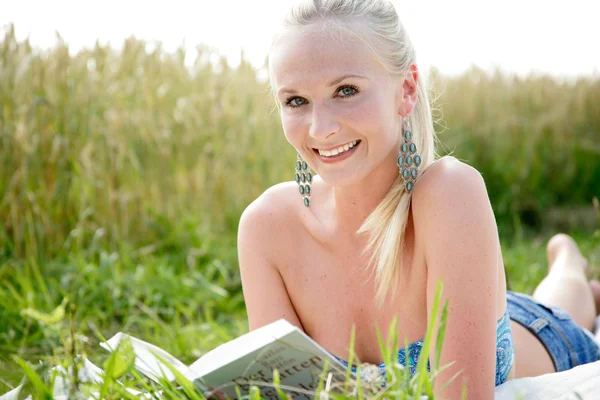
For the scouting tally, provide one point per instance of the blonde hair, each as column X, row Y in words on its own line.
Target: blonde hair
column 386, row 37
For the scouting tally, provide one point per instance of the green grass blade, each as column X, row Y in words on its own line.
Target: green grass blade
column 42, row 391
column 277, row 383
column 188, row 387
column 350, row 359
column 421, row 369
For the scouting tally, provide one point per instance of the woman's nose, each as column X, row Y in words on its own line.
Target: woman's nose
column 323, row 123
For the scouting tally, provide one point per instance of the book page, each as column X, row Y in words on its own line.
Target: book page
column 145, row 360
column 236, row 348
column 297, row 357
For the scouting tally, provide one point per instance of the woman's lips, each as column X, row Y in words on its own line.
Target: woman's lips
column 339, row 157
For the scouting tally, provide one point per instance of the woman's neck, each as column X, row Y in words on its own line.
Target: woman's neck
column 351, row 205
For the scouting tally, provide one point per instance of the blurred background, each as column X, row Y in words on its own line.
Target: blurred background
column 133, row 135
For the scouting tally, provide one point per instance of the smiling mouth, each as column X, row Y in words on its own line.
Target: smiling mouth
column 339, row 151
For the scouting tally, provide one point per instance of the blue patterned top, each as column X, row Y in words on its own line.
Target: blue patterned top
column 505, row 352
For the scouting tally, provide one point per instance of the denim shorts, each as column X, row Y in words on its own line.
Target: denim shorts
column 568, row 344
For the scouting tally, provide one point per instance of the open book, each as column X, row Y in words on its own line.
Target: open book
column 246, row 360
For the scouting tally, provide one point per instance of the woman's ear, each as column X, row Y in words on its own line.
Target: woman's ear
column 407, row 91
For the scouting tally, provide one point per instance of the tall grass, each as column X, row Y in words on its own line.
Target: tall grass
column 536, row 140
column 106, row 146
column 127, row 144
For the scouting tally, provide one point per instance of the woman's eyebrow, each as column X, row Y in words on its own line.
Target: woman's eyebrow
column 341, row 78
column 332, row 83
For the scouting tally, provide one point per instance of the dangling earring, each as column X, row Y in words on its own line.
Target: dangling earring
column 408, row 161
column 303, row 179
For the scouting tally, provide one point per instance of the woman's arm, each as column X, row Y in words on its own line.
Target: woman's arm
column 454, row 218
column 264, row 291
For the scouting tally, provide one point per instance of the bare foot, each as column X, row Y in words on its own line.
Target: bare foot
column 595, row 286
column 562, row 249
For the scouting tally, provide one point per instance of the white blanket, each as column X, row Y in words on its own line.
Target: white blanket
column 583, row 380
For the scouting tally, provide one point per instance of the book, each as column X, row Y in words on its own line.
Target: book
column 245, row 361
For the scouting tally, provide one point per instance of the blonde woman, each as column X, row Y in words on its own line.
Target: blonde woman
column 368, row 236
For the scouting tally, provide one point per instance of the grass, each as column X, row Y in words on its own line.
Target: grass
column 120, row 380
column 157, row 298
column 526, row 263
column 124, row 174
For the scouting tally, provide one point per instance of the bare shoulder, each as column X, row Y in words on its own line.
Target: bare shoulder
column 449, row 186
column 262, row 232
column 447, row 181
column 271, row 211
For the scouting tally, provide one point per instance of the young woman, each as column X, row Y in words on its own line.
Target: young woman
column 368, row 238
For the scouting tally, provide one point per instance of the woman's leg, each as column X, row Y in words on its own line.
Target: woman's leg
column 595, row 286
column 566, row 285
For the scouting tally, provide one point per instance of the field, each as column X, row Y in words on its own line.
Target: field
column 123, row 175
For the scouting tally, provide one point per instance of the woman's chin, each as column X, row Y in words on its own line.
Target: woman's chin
column 340, row 180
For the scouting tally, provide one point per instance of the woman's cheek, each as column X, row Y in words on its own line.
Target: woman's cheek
column 292, row 128
column 370, row 118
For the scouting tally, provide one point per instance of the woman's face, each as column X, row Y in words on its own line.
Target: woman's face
column 334, row 94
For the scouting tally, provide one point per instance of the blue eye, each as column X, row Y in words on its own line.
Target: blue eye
column 291, row 102
column 343, row 91
column 348, row 90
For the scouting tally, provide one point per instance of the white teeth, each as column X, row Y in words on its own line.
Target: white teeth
column 341, row 149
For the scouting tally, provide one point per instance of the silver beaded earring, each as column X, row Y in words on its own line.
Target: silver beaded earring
column 303, row 178
column 408, row 161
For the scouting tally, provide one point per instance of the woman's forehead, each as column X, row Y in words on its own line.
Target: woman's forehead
column 307, row 56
